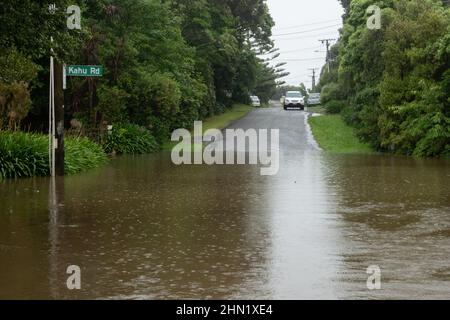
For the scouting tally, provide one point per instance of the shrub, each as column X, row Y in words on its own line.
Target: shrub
column 23, row 155
column 16, row 71
column 26, row 155
column 130, row 139
column 330, row 92
column 82, row 154
column 335, row 106
column 15, row 104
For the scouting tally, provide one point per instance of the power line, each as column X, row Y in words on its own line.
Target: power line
column 306, row 25
column 299, row 50
column 297, row 60
column 306, row 31
column 306, row 37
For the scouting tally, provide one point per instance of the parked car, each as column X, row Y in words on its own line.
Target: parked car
column 255, row 101
column 314, row 99
column 294, row 99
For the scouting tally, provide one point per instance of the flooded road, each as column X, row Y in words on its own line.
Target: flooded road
column 143, row 228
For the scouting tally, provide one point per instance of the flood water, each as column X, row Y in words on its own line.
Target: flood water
column 143, row 228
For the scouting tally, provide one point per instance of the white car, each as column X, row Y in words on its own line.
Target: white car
column 294, row 99
column 255, row 101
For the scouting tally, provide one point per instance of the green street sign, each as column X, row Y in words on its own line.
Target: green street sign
column 84, row 71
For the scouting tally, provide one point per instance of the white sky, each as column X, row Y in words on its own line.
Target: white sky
column 309, row 20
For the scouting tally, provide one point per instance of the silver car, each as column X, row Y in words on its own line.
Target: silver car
column 314, row 99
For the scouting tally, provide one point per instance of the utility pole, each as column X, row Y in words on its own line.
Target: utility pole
column 59, row 118
column 313, row 87
column 327, row 43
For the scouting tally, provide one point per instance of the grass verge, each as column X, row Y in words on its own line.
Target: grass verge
column 220, row 121
column 316, row 109
column 223, row 120
column 335, row 136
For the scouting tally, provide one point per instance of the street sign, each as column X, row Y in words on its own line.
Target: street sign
column 84, row 71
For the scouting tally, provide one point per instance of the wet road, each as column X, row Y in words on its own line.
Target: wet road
column 143, row 228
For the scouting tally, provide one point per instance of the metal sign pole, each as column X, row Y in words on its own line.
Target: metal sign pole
column 58, row 118
column 51, row 111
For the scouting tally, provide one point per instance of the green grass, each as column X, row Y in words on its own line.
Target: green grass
column 220, row 121
column 223, row 120
column 333, row 135
column 317, row 109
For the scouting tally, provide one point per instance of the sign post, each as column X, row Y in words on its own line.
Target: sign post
column 58, row 74
column 51, row 117
column 56, row 96
column 59, row 118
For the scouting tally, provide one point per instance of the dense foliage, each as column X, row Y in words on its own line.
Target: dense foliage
column 26, row 155
column 167, row 63
column 130, row 139
column 395, row 80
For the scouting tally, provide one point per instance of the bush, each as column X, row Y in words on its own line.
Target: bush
column 130, row 139
column 26, row 155
column 330, row 92
column 23, row 155
column 83, row 154
column 335, row 106
column 16, row 72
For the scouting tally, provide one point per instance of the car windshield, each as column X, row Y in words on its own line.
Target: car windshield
column 293, row 95
column 314, row 95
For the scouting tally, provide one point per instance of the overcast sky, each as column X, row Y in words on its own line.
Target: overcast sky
column 304, row 22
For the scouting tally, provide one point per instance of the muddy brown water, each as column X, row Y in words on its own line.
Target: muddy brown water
column 143, row 228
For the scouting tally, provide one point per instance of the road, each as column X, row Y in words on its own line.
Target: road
column 143, row 228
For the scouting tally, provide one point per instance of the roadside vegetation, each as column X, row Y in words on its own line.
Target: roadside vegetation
column 335, row 136
column 222, row 121
column 167, row 64
column 130, row 139
column 219, row 122
column 393, row 84
column 26, row 155
column 316, row 109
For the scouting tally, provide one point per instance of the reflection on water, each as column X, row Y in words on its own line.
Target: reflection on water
column 143, row 228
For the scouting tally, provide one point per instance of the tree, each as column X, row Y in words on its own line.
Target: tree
column 394, row 79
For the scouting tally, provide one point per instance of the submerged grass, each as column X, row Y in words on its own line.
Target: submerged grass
column 335, row 136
